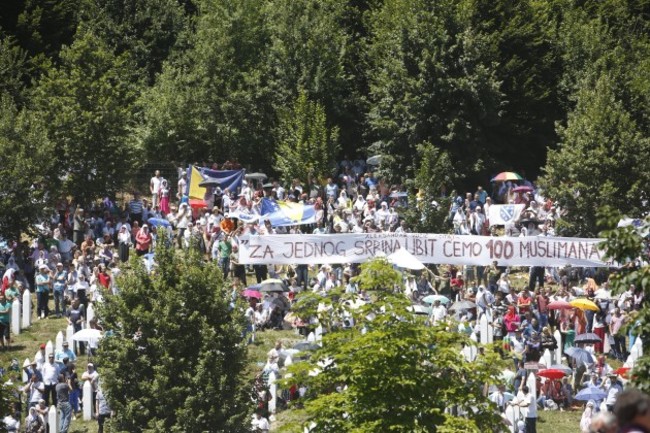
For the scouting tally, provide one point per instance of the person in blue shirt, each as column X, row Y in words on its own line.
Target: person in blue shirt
column 43, row 285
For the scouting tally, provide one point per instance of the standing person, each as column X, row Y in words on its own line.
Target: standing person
column 60, row 280
column 615, row 325
column 75, row 319
column 75, row 390
column 529, row 402
column 225, row 249
column 136, row 207
column 102, row 410
column 78, row 226
column 143, row 241
column 182, row 222
column 163, row 194
column 43, row 284
column 35, row 390
column 5, row 320
column 124, row 243
column 182, row 186
column 154, row 188
column 63, row 389
column 50, row 373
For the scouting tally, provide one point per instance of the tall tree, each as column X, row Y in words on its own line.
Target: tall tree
column 429, row 81
column 391, row 372
column 27, row 168
column 434, row 179
column 600, row 160
column 306, row 146
column 519, row 41
column 212, row 102
column 88, row 104
column 628, row 246
column 145, row 29
column 175, row 359
column 312, row 48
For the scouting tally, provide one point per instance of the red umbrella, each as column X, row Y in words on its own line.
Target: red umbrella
column 552, row 373
column 523, row 188
column 622, row 371
column 559, row 305
column 252, row 294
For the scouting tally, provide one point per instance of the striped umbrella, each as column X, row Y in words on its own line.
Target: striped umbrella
column 506, row 175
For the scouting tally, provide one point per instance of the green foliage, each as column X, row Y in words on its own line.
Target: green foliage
column 43, row 27
column 185, row 371
column 145, row 29
column 391, row 372
column 600, row 160
column 434, row 178
column 88, row 105
column 306, row 146
column 27, row 168
column 211, row 102
column 13, row 67
column 627, row 247
column 430, row 82
column 311, row 50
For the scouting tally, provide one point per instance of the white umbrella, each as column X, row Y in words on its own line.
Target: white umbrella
column 87, row 335
column 374, row 160
column 403, row 259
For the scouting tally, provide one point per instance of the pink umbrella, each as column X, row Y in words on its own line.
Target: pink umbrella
column 248, row 293
column 522, row 188
column 559, row 305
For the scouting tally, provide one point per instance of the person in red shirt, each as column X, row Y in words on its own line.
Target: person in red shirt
column 104, row 277
column 524, row 303
column 143, row 241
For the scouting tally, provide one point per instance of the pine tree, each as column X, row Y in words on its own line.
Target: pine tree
column 175, row 358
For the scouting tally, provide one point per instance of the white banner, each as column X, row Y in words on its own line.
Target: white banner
column 428, row 248
column 502, row 214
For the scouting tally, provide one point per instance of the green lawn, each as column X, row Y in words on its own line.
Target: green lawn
column 26, row 345
column 559, row 422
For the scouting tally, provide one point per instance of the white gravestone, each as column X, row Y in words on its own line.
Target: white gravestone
column 88, row 401
column 52, row 419
column 27, row 309
column 15, row 317
column 273, row 390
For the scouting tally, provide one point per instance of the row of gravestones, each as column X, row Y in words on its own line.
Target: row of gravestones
column 315, row 337
column 21, row 318
column 88, row 410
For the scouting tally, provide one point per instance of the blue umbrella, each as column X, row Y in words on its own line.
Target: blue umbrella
column 580, row 355
column 158, row 222
column 433, row 298
column 591, row 393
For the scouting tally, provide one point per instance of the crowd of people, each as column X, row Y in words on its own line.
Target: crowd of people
column 77, row 257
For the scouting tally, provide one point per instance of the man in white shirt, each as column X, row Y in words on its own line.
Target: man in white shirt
column 50, row 372
column 261, row 424
column 182, row 184
column 529, row 401
column 154, row 187
column 438, row 312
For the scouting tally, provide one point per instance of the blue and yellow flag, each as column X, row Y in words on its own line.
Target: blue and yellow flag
column 283, row 213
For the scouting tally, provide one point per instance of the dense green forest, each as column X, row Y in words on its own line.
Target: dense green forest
column 558, row 90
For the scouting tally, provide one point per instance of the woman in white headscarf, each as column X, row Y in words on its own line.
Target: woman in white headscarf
column 124, row 243
column 34, row 423
column 587, row 415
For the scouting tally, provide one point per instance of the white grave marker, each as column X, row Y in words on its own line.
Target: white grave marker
column 88, row 401
column 27, row 309
column 52, row 419
column 15, row 317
